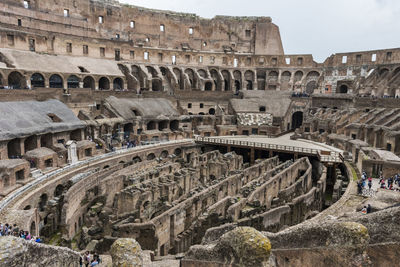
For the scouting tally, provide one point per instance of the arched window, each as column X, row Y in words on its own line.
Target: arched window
column 104, row 83
column 56, row 81
column 37, row 80
column 73, row 82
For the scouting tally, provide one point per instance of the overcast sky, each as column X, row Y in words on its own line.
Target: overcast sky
column 318, row 27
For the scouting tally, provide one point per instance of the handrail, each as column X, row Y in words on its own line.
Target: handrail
column 13, row 195
column 332, row 157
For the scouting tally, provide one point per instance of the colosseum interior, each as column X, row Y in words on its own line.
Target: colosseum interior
column 157, row 138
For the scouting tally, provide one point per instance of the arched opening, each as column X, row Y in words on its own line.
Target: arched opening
column 156, row 85
column 310, row 87
column 179, row 78
column 46, row 140
column 151, row 125
column 211, row 111
column 237, row 75
column 261, row 79
column 174, row 125
column 128, row 129
column 56, row 81
column 249, row 77
column 298, row 76
column 151, row 156
column 249, row 85
column 37, row 80
column 163, row 125
column 73, row 82
column 76, row 135
column 16, row 80
column 208, row 86
column 343, row 89
column 32, row 230
column 178, row 152
column 42, row 202
column 164, row 154
column 59, row 190
column 30, row 143
column 262, row 109
column 192, row 78
column 1, row 81
column 104, row 83
column 88, row 82
column 237, row 86
column 136, row 159
column 118, row 84
column 14, row 149
column 216, row 79
column 297, row 119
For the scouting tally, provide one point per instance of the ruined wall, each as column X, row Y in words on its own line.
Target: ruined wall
column 19, row 252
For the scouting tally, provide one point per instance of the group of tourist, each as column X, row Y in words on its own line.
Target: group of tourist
column 88, row 259
column 389, row 183
column 13, row 230
column 364, row 181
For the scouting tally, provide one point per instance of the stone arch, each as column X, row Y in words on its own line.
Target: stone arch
column 285, row 80
column 179, row 77
column 174, row 125
column 14, row 148
column 43, row 201
column 237, row 76
column 298, row 75
column 37, row 80
column 313, row 75
column 178, row 151
column 227, row 80
column 311, row 86
column 202, row 73
column 192, row 78
column 104, row 83
column 136, row 159
column 118, row 84
column 88, row 82
column 59, row 190
column 164, row 154
column 156, row 85
column 208, row 86
column 261, row 79
column 162, row 125
column 139, row 75
column 30, row 143
column 151, row 156
column 273, row 76
column 152, row 71
column 343, row 89
column 16, row 80
column 32, row 229
column 151, row 125
column 216, row 79
column 56, row 81
column 249, row 77
column 297, row 119
column 73, row 82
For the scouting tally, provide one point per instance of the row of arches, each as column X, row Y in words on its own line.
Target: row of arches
column 16, row 80
column 217, row 80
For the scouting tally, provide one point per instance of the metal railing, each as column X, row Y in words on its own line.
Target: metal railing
column 44, row 178
column 325, row 156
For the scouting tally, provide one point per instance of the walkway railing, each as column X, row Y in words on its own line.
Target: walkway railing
column 324, row 156
column 15, row 194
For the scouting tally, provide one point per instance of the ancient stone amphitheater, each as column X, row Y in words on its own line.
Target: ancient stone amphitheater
column 157, row 138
